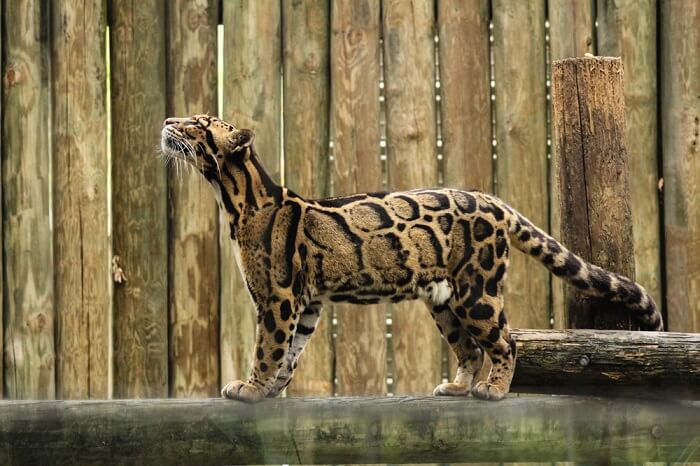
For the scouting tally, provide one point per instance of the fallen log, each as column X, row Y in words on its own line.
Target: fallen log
column 348, row 430
column 608, row 362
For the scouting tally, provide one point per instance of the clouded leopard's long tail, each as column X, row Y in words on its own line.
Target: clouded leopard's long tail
column 590, row 279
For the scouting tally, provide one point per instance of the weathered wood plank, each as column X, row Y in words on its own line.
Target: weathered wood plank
column 571, row 34
column 627, row 29
column 306, row 45
column 81, row 237
column 2, row 262
column 361, row 366
column 521, row 164
column 252, row 81
column 649, row 364
column 465, row 94
column 193, row 213
column 348, row 430
column 29, row 302
column 137, row 48
column 409, row 75
column 588, row 117
column 680, row 116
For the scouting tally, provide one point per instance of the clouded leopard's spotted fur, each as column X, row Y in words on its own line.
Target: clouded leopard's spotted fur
column 447, row 247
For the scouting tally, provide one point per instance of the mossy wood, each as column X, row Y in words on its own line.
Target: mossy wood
column 589, row 125
column 361, row 348
column 348, row 430
column 193, row 240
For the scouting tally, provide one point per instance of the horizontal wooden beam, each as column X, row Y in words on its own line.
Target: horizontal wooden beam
column 348, row 430
column 608, row 362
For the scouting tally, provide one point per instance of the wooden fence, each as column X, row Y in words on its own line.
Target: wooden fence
column 344, row 95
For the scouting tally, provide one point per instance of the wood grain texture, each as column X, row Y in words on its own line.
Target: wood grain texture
column 521, row 164
column 2, row 272
column 252, row 81
column 193, row 238
column 137, row 48
column 409, row 74
column 361, row 366
column 680, row 116
column 588, row 114
column 81, row 237
column 29, row 315
column 627, row 29
column 465, row 94
column 608, row 363
column 571, row 34
column 344, row 430
column 306, row 120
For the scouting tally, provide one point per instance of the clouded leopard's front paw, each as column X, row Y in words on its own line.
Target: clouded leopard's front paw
column 243, row 391
column 451, row 389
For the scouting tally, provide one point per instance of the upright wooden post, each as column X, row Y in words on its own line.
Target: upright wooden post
column 29, row 303
column 193, row 237
column 137, row 48
column 588, row 115
column 81, row 238
column 306, row 89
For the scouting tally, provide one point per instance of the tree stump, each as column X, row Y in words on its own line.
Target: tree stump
column 589, row 125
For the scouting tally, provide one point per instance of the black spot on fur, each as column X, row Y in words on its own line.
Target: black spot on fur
column 466, row 203
column 428, row 218
column 536, row 251
column 486, row 257
column 524, row 236
column 269, row 320
column 341, row 201
column 445, row 222
column 259, row 353
column 502, row 319
column 494, row 335
column 481, row 311
column 285, row 310
column 401, row 226
column 501, row 246
column 453, row 337
column 263, row 367
column 476, row 331
column 277, row 354
column 475, row 291
column 440, row 309
column 461, row 312
column 600, row 280
column 482, row 229
column 304, row 330
column 548, row 259
column 280, row 336
column 581, row 284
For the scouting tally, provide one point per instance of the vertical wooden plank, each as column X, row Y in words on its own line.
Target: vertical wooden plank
column 2, row 262
column 465, row 105
column 465, row 93
column 521, row 166
column 361, row 348
column 81, row 237
column 252, row 56
column 571, row 34
column 306, row 88
column 137, row 38
column 29, row 312
column 409, row 64
column 627, row 29
column 680, row 116
column 193, row 237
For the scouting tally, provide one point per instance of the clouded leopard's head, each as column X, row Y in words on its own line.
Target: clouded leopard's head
column 205, row 142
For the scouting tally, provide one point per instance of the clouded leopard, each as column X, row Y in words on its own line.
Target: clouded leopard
column 447, row 247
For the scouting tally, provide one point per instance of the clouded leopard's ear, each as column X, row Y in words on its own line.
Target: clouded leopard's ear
column 241, row 139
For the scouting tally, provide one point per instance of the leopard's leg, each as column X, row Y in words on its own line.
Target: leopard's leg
column 491, row 330
column 470, row 356
column 273, row 336
column 307, row 324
